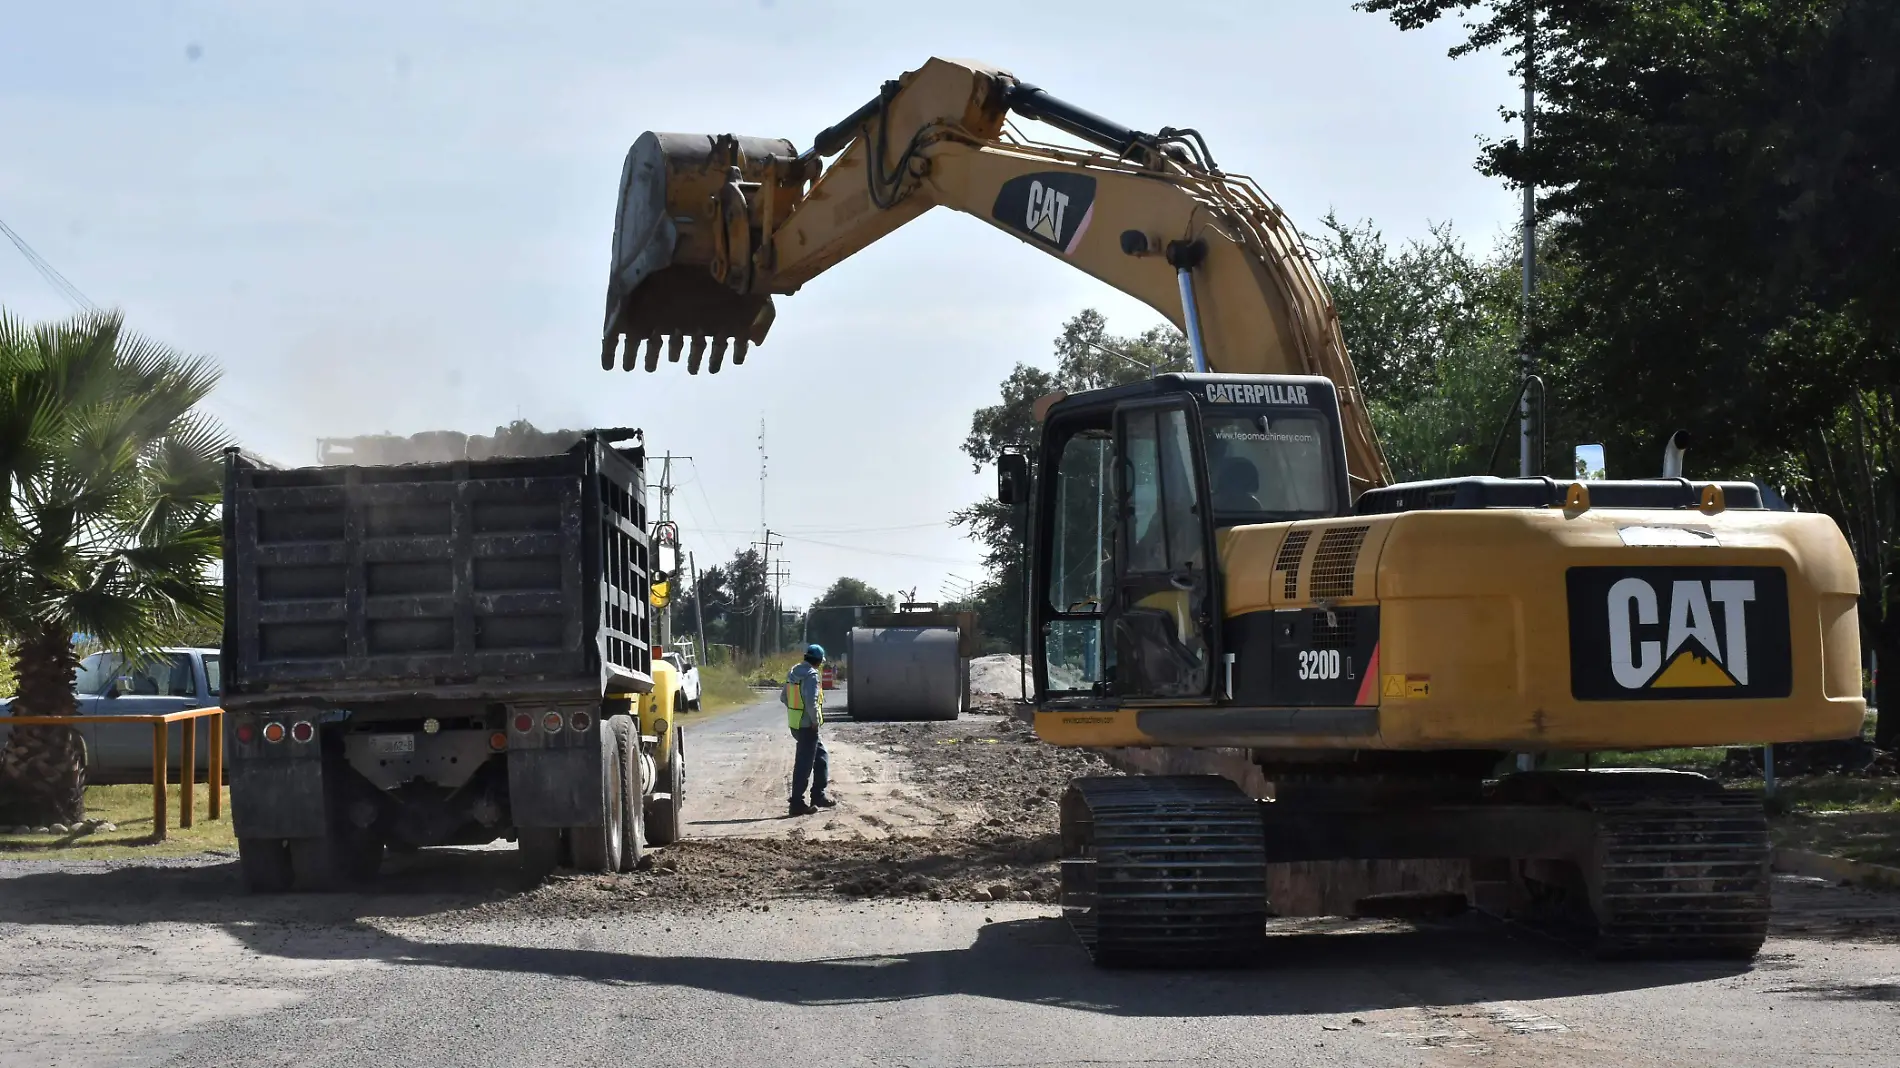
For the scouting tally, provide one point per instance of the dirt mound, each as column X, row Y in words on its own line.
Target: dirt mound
column 989, row 764
column 1000, row 674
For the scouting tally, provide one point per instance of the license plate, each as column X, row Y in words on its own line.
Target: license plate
column 392, row 744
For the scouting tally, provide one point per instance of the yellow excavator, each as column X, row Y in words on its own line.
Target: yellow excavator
column 1218, row 558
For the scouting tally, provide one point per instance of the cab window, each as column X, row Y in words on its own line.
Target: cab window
column 1269, row 466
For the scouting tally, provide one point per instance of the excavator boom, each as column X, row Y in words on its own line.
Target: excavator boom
column 709, row 228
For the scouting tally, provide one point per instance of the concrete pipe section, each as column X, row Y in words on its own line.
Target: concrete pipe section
column 906, row 673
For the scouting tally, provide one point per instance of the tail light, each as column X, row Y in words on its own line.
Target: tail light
column 659, row 726
column 523, row 722
column 273, row 732
column 246, row 733
column 551, row 722
column 499, row 741
column 580, row 721
column 302, row 731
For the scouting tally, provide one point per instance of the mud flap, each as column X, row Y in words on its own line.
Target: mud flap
column 277, row 799
column 556, row 787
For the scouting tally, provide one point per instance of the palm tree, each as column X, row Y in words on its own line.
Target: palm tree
column 110, row 484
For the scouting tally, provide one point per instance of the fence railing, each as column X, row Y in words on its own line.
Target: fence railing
column 161, row 757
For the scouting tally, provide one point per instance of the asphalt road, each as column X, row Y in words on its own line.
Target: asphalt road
column 173, row 965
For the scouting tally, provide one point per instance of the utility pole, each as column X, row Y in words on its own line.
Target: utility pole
column 765, row 574
column 666, row 516
column 1526, row 461
column 778, row 602
column 699, row 610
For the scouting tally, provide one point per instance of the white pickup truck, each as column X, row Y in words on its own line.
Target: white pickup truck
column 686, row 661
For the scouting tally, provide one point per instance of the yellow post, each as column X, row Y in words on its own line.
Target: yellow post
column 158, row 780
column 187, row 772
column 217, row 764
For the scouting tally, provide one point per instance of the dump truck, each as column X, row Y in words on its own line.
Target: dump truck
column 444, row 654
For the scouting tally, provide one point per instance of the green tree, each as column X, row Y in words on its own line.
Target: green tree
column 1433, row 331
column 1718, row 180
column 112, row 484
column 829, row 619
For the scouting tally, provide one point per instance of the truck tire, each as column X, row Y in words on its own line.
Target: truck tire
column 265, row 863
column 663, row 814
column 598, row 849
column 540, row 849
column 336, row 861
column 633, row 797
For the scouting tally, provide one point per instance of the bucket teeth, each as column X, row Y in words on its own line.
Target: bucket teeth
column 676, row 346
column 607, row 348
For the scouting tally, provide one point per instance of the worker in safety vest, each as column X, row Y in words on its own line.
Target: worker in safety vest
column 804, row 701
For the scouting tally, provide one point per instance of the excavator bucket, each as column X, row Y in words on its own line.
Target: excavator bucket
column 682, row 254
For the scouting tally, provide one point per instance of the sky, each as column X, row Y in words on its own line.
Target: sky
column 395, row 217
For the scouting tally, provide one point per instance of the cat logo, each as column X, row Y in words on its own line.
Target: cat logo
column 1044, row 218
column 1692, row 650
column 1052, row 209
column 1669, row 633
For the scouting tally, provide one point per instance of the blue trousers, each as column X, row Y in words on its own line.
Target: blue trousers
column 811, row 763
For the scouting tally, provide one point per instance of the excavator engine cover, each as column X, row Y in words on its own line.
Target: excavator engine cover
column 687, row 218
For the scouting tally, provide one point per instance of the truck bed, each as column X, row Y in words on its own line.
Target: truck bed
column 506, row 579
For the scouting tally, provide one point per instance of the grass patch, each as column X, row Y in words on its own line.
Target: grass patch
column 131, row 808
column 1837, row 815
column 723, row 686
column 727, row 686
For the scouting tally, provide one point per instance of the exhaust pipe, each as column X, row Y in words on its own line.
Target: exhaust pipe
column 1674, row 452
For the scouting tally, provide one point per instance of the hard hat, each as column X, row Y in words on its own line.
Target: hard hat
column 814, row 651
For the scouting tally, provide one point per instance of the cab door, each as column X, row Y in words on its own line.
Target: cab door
column 1164, row 615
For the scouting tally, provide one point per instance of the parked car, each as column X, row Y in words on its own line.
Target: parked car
column 108, row 684
column 686, row 662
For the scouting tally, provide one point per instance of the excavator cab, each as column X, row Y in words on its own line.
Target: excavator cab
column 1140, row 480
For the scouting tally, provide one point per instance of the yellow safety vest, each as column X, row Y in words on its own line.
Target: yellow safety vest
column 795, row 705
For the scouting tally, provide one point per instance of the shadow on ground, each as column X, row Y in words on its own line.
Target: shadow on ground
column 1036, row 961
column 1339, row 967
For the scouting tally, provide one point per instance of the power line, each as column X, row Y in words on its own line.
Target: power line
column 58, row 281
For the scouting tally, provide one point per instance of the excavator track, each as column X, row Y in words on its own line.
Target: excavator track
column 1164, row 871
column 1680, row 876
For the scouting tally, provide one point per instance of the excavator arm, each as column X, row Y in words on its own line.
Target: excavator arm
column 710, row 227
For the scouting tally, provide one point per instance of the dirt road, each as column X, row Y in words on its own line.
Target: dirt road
column 768, row 941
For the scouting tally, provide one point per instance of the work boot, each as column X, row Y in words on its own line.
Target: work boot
column 801, row 808
column 824, row 800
